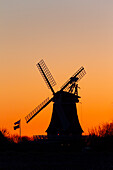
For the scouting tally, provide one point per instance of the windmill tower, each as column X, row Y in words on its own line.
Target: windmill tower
column 64, row 120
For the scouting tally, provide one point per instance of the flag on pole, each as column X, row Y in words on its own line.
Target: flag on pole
column 17, row 125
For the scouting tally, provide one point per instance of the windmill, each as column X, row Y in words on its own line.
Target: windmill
column 64, row 120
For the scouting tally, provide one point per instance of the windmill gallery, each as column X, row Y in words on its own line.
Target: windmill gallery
column 64, row 121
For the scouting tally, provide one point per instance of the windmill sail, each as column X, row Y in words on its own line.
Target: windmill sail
column 75, row 78
column 37, row 109
column 47, row 76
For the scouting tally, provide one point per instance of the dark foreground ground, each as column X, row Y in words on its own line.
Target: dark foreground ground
column 87, row 153
column 84, row 159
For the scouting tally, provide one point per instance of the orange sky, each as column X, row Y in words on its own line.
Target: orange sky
column 67, row 35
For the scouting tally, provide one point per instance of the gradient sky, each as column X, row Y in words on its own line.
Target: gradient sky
column 66, row 34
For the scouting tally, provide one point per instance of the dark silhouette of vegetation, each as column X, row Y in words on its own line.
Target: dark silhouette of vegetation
column 102, row 131
column 100, row 138
column 81, row 153
column 4, row 136
column 38, row 153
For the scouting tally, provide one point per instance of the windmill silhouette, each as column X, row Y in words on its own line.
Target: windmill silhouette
column 64, row 120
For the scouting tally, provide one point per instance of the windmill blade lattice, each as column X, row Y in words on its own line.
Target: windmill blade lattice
column 47, row 76
column 80, row 73
column 75, row 78
column 37, row 109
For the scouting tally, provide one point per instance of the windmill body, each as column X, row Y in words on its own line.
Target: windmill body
column 64, row 120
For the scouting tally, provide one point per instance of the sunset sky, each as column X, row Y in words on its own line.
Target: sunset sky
column 67, row 34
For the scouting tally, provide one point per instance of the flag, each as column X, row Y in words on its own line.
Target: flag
column 18, row 122
column 17, row 125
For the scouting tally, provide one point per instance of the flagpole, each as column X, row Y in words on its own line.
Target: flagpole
column 20, row 130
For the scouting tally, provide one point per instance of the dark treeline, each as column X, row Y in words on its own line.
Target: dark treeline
column 99, row 139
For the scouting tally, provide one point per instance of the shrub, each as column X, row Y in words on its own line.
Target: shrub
column 102, row 131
